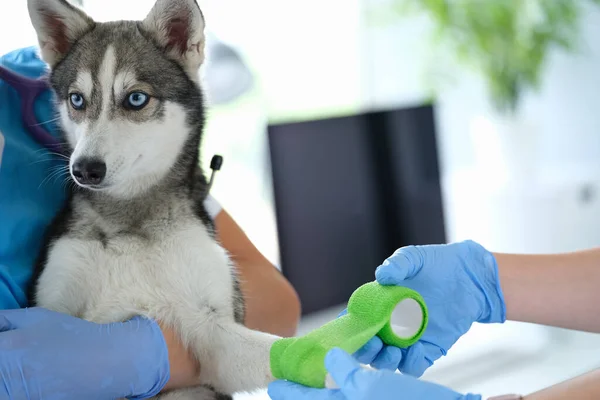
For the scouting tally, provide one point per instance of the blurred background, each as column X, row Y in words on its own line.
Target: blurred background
column 352, row 127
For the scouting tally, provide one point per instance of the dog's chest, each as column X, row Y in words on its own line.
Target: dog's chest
column 106, row 275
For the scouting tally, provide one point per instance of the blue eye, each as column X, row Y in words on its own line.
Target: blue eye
column 77, row 101
column 136, row 100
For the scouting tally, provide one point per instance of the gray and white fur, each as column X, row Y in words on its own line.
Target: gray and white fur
column 134, row 237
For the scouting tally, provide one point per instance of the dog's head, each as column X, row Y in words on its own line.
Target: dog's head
column 127, row 91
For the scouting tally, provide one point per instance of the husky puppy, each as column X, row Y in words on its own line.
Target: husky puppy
column 134, row 237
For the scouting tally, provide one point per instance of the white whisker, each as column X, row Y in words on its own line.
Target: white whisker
column 45, row 122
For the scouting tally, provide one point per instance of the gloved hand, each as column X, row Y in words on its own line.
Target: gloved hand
column 378, row 355
column 460, row 285
column 50, row 356
column 357, row 383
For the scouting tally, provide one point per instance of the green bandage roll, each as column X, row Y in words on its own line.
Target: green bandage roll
column 371, row 309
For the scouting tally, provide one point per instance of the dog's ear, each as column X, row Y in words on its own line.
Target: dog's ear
column 178, row 28
column 58, row 25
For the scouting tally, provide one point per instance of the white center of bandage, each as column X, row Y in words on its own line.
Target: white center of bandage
column 407, row 318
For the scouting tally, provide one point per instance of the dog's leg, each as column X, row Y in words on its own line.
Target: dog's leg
column 234, row 358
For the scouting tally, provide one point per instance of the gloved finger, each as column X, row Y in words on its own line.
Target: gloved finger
column 369, row 351
column 419, row 357
column 141, row 322
column 389, row 358
column 404, row 264
column 344, row 312
column 6, row 325
column 342, row 367
column 21, row 317
column 284, row 390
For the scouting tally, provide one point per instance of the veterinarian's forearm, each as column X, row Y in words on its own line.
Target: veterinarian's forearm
column 583, row 387
column 184, row 368
column 272, row 304
column 558, row 290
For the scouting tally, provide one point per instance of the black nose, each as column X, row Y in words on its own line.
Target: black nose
column 89, row 171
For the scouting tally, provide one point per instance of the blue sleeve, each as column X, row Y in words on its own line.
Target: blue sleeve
column 31, row 187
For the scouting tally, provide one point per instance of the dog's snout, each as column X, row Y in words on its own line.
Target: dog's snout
column 89, row 171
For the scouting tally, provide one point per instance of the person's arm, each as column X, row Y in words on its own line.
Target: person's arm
column 272, row 304
column 583, row 387
column 558, row 290
column 184, row 367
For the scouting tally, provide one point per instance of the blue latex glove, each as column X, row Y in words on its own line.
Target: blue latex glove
column 376, row 354
column 356, row 383
column 460, row 285
column 50, row 356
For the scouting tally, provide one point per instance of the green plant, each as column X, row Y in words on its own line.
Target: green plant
column 506, row 41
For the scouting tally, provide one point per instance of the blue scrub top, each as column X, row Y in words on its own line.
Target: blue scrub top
column 29, row 196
